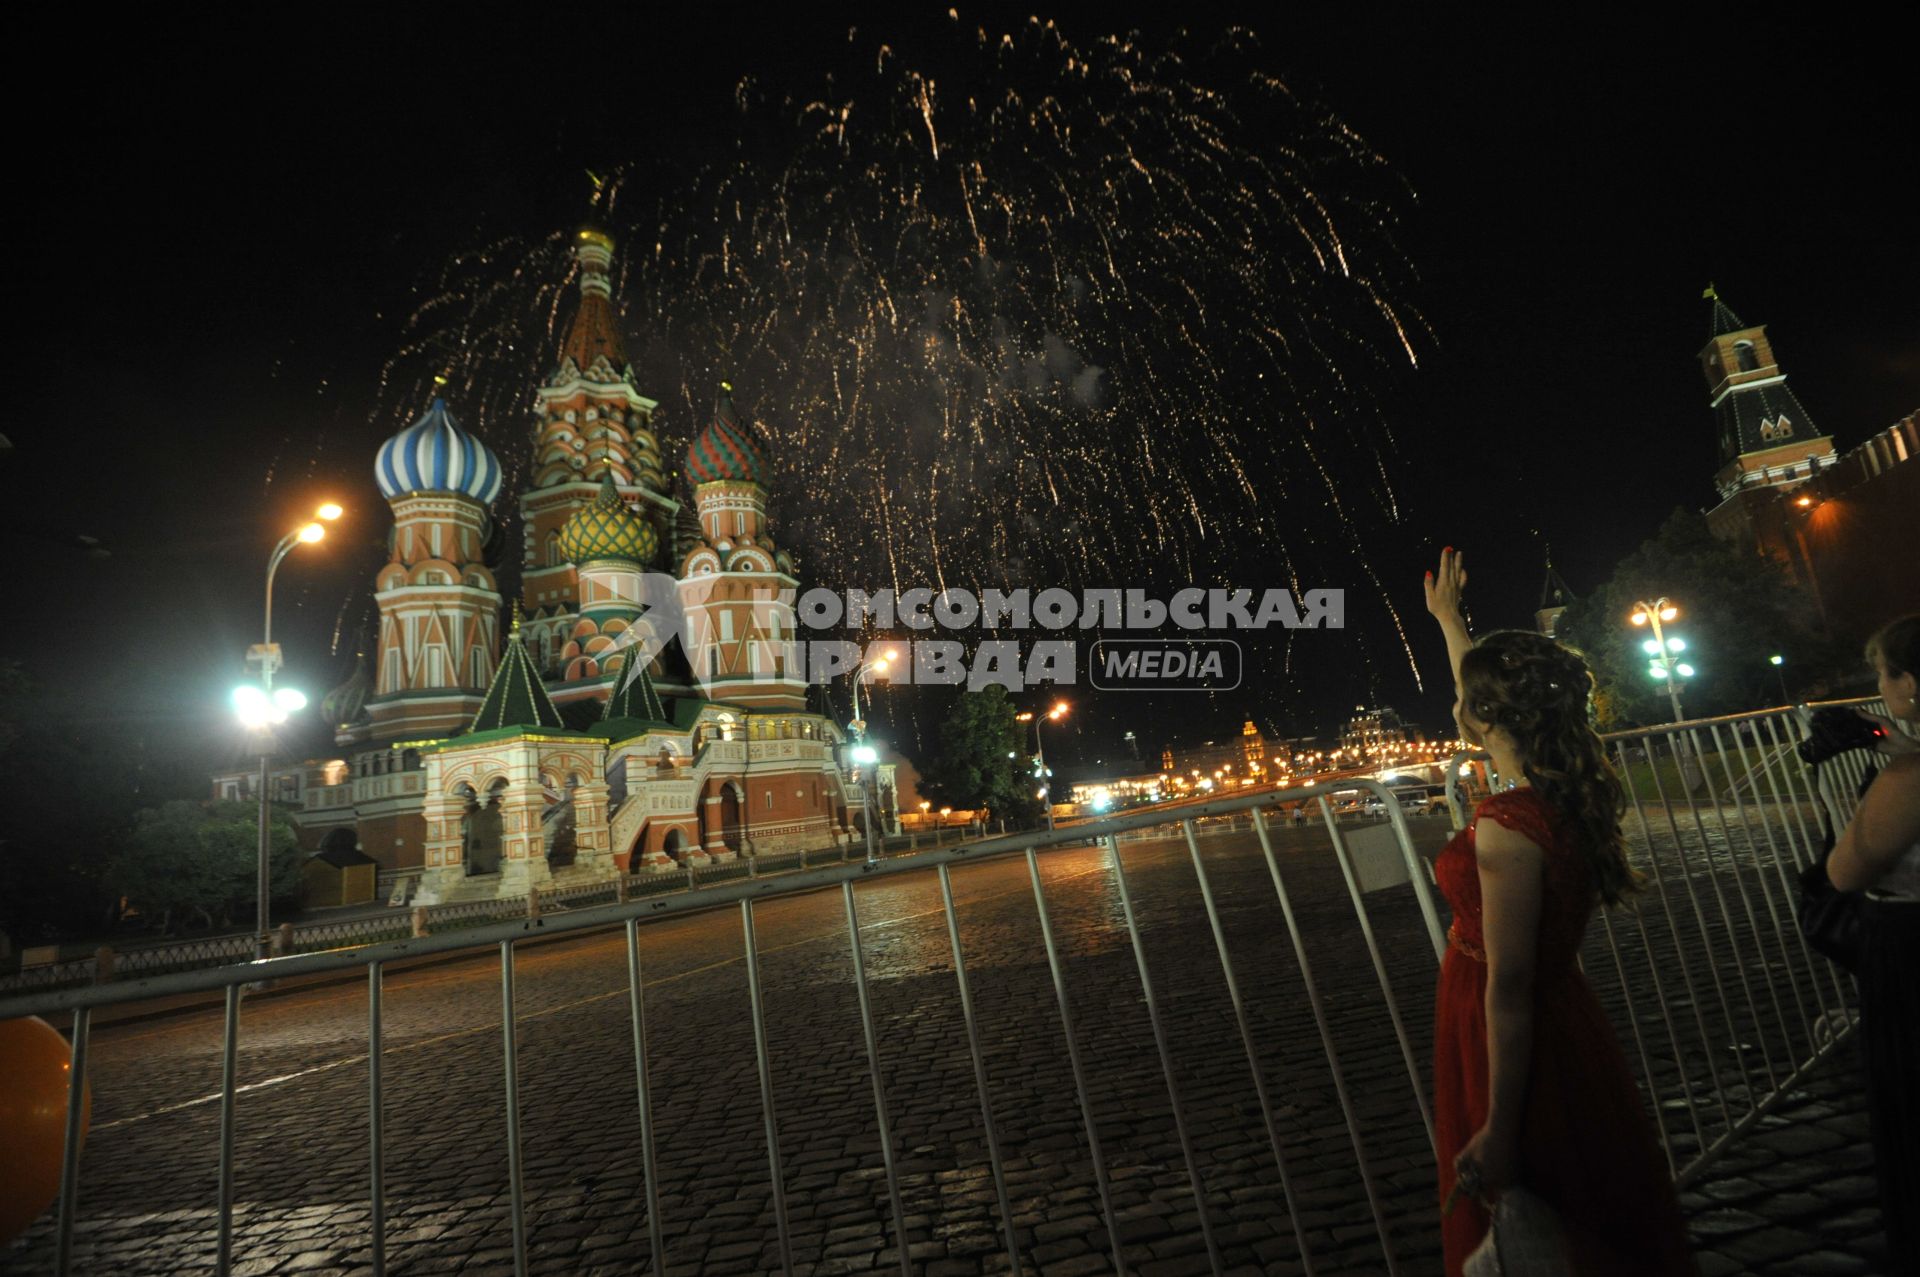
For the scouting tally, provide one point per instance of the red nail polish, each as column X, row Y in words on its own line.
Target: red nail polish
column 1448, row 550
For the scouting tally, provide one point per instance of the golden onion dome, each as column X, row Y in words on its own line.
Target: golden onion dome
column 608, row 530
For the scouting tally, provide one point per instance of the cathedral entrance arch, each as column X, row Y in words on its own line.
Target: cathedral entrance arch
column 557, row 821
column 481, row 828
column 675, row 845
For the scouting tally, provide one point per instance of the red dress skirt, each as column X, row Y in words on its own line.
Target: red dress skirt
column 1587, row 1145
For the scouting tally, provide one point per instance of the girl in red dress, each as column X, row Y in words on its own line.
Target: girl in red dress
column 1530, row 1084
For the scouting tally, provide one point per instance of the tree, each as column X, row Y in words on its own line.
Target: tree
column 980, row 760
column 199, row 860
column 1736, row 611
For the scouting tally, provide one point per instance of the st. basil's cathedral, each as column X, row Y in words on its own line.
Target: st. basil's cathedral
column 488, row 751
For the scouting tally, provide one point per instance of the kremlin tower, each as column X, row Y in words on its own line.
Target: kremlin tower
column 439, row 606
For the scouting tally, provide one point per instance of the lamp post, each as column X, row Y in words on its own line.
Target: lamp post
column 862, row 755
column 1663, row 663
column 1779, row 672
column 1663, row 652
column 1045, row 775
column 262, row 708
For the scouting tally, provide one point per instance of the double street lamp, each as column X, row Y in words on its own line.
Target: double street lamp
column 262, row 708
column 1041, row 770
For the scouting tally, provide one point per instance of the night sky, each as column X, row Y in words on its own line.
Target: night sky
column 222, row 227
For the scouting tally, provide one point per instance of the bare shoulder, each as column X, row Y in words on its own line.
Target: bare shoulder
column 1899, row 779
column 1903, row 767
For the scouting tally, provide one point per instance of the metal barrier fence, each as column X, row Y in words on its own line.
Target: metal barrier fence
column 1727, row 1007
column 1380, row 1099
column 397, row 923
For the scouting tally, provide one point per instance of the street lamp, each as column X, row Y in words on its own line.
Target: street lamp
column 1780, row 673
column 1663, row 652
column 262, row 708
column 863, row 755
column 1044, row 774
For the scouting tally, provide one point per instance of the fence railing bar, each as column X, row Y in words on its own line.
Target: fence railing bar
column 1774, row 919
column 70, row 1149
column 1733, row 941
column 510, row 1057
column 1734, row 938
column 1166, row 1054
column 766, row 1089
column 229, row 1063
column 994, row 1162
column 1640, row 1042
column 637, row 1007
column 1414, row 1075
column 1079, row 1072
column 1673, row 924
column 1748, row 1121
column 1682, row 744
column 1327, row 1044
column 1811, row 845
column 376, row 1142
column 1246, row 1041
column 879, row 1087
column 1653, row 967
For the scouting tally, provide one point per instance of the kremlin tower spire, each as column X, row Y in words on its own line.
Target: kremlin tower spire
column 594, row 428
column 1767, row 438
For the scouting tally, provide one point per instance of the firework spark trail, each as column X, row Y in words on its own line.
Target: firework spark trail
column 1028, row 313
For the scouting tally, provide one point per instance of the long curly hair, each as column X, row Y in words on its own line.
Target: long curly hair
column 1538, row 691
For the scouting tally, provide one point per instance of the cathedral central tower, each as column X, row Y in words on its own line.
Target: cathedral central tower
column 592, row 423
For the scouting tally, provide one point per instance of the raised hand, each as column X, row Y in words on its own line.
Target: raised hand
column 1445, row 587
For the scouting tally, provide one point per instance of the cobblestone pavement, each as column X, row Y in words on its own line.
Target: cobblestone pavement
column 1795, row 1196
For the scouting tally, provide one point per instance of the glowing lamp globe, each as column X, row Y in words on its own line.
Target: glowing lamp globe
column 330, row 511
column 312, row 532
column 36, row 1061
column 257, row 708
column 865, row 755
column 1650, row 647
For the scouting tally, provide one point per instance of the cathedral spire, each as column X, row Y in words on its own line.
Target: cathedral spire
column 595, row 331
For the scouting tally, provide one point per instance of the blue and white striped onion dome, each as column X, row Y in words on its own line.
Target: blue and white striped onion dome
column 435, row 455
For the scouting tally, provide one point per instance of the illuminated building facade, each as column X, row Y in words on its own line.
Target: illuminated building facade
column 481, row 764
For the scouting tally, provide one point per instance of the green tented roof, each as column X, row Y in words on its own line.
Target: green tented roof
column 633, row 694
column 517, row 697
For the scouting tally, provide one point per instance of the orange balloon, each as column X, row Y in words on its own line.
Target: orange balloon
column 34, row 1060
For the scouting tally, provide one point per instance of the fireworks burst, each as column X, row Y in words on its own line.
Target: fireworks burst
column 1025, row 313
